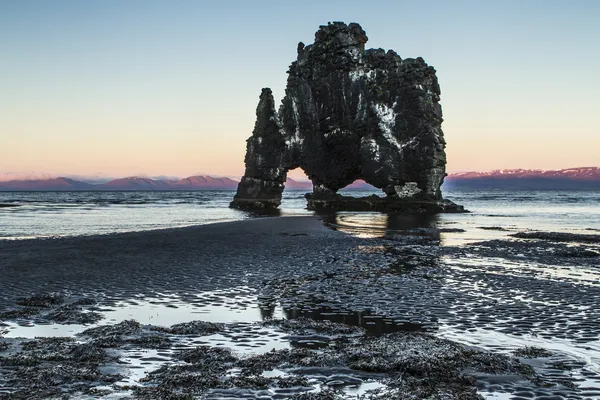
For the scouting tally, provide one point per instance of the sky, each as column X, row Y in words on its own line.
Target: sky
column 141, row 87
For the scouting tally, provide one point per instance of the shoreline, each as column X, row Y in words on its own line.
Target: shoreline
column 156, row 255
column 148, row 230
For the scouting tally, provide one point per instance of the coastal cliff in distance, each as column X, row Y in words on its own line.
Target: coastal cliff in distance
column 563, row 179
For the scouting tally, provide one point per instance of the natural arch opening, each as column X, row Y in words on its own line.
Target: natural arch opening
column 297, row 180
column 360, row 188
column 296, row 185
column 375, row 224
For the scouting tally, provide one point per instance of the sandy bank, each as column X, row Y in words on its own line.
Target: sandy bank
column 205, row 257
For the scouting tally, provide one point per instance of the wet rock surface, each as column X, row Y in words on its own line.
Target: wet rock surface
column 398, row 365
column 53, row 308
column 540, row 251
column 200, row 328
column 52, row 368
column 559, row 237
column 42, row 300
column 403, row 361
column 380, row 204
column 350, row 113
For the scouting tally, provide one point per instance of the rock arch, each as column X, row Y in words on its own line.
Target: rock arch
column 350, row 113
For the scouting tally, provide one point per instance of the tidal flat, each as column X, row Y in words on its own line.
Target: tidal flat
column 304, row 307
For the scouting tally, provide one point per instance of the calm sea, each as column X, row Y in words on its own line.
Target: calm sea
column 51, row 214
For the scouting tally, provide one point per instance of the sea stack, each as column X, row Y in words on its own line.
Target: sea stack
column 350, row 113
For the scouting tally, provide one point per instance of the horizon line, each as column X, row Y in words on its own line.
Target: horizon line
column 28, row 176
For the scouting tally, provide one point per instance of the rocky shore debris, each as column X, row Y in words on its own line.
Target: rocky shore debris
column 350, row 113
column 43, row 300
column 323, row 360
column 338, row 202
column 493, row 228
column 559, row 237
column 128, row 333
column 52, row 368
column 54, row 308
column 539, row 250
column 404, row 365
column 198, row 328
column 532, row 352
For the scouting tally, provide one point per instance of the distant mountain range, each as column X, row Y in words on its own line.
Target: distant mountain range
column 46, row 184
column 138, row 183
column 189, row 183
column 130, row 183
column 571, row 178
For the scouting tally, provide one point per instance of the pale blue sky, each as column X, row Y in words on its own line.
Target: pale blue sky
column 170, row 87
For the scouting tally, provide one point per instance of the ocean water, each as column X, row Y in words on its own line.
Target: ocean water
column 559, row 210
column 55, row 214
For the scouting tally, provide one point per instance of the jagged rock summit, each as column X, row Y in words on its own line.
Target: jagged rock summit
column 350, row 113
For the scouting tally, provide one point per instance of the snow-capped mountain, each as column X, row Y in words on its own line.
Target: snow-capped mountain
column 583, row 173
column 570, row 178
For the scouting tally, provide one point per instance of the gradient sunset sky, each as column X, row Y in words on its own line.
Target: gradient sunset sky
column 121, row 88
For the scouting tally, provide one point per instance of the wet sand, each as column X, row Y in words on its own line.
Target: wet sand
column 250, row 277
column 171, row 261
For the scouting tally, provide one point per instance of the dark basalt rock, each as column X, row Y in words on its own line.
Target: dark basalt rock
column 350, row 113
column 43, row 300
column 559, row 237
column 381, row 204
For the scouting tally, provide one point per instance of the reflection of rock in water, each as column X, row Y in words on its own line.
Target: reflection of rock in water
column 267, row 311
column 348, row 114
column 374, row 224
column 264, row 212
column 400, row 222
column 366, row 225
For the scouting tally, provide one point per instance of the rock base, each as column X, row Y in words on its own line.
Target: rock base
column 258, row 193
column 382, row 204
column 255, row 204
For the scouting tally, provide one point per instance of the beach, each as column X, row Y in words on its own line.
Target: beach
column 341, row 293
column 169, row 261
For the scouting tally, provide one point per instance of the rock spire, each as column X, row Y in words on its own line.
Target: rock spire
column 350, row 113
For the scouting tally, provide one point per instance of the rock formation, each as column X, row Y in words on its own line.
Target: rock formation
column 350, row 113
